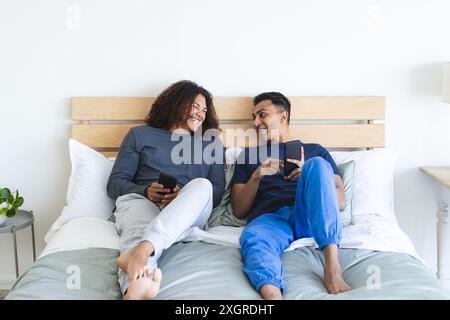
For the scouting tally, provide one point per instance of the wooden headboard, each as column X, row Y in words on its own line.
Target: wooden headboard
column 350, row 122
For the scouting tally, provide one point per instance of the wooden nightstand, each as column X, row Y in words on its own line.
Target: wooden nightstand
column 441, row 175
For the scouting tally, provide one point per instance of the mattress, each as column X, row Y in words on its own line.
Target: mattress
column 84, row 268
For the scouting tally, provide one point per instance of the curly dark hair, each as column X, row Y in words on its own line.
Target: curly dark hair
column 174, row 104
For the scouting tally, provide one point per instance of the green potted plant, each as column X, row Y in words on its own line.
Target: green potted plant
column 9, row 204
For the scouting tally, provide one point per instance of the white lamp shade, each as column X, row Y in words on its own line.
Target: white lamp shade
column 446, row 83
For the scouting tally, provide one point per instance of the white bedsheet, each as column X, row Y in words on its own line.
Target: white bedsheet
column 81, row 233
column 368, row 232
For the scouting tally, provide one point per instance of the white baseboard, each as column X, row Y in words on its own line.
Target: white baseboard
column 6, row 282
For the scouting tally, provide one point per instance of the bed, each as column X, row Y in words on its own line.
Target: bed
column 377, row 258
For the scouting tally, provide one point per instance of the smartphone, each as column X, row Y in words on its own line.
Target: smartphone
column 167, row 181
column 292, row 150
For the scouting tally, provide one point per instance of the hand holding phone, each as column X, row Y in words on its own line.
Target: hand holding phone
column 164, row 190
column 293, row 150
column 167, row 181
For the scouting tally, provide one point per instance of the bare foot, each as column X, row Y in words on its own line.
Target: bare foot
column 145, row 287
column 333, row 280
column 270, row 292
column 136, row 259
column 332, row 271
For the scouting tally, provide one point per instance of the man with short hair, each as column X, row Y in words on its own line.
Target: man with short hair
column 281, row 209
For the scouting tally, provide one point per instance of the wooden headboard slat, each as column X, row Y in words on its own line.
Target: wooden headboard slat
column 111, row 108
column 328, row 135
column 324, row 119
column 235, row 108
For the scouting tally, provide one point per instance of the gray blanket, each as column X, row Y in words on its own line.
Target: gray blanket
column 198, row 270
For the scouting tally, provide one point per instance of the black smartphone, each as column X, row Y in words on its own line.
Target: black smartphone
column 167, row 181
column 292, row 150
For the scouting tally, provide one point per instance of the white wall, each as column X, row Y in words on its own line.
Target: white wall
column 233, row 47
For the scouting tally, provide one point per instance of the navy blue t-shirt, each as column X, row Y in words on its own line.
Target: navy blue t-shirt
column 274, row 192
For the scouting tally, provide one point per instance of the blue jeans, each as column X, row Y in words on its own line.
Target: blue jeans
column 314, row 214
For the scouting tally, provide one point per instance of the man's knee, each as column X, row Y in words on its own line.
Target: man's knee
column 316, row 163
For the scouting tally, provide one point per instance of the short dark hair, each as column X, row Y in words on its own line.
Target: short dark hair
column 173, row 105
column 277, row 99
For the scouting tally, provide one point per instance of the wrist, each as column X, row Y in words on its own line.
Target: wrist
column 256, row 176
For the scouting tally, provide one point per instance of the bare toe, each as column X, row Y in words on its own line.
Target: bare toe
column 157, row 275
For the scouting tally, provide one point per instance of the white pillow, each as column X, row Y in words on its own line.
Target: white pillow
column 86, row 193
column 374, row 173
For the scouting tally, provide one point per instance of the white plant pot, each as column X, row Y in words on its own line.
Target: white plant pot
column 3, row 219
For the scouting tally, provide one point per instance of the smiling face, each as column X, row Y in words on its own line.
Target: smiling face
column 270, row 120
column 197, row 115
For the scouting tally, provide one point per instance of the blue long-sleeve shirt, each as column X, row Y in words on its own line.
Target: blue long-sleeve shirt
column 146, row 151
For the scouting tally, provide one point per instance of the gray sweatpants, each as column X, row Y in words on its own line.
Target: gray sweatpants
column 138, row 219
